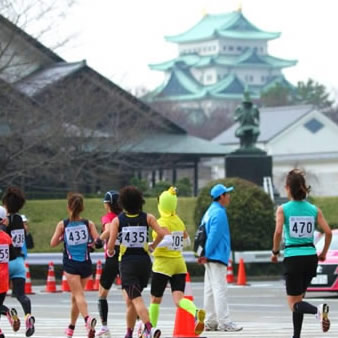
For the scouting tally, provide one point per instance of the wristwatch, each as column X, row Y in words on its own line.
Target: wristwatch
column 275, row 252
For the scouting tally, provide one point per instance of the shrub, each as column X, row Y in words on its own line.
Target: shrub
column 250, row 214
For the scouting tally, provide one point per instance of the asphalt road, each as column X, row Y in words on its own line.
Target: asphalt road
column 259, row 307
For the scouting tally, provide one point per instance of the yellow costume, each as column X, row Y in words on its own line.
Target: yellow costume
column 170, row 261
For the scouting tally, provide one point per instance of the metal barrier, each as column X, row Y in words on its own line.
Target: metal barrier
column 189, row 256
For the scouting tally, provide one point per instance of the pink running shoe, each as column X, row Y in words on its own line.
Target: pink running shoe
column 13, row 319
column 69, row 332
column 90, row 326
column 30, row 321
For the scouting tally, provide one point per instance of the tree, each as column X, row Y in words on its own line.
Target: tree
column 314, row 93
column 309, row 92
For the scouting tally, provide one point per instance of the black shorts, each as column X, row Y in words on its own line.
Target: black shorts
column 135, row 271
column 110, row 271
column 84, row 269
column 159, row 283
column 299, row 271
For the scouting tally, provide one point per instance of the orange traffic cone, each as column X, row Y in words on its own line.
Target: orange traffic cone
column 241, row 277
column 97, row 275
column 64, row 284
column 51, row 284
column 90, row 284
column 230, row 272
column 28, row 283
column 184, row 321
column 118, row 280
column 188, row 289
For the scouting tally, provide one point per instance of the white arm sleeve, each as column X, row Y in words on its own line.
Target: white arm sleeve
column 166, row 241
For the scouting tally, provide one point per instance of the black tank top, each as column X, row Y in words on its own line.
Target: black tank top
column 16, row 230
column 133, row 234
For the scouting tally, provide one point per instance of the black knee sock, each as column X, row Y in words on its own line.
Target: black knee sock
column 297, row 319
column 103, row 310
column 304, row 307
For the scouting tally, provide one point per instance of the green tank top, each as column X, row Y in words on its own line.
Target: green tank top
column 300, row 218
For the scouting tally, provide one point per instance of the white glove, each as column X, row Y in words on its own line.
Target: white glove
column 166, row 241
column 186, row 242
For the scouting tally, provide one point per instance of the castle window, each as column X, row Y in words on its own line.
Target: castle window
column 224, row 47
column 239, row 48
column 231, row 48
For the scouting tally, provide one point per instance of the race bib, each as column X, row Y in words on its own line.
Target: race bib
column 134, row 237
column 177, row 241
column 18, row 237
column 301, row 226
column 4, row 253
column 76, row 235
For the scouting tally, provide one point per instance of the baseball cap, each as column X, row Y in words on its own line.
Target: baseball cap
column 219, row 189
column 111, row 197
column 3, row 213
column 24, row 218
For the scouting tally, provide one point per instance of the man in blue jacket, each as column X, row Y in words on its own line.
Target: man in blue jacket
column 217, row 253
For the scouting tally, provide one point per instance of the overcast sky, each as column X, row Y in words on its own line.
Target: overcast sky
column 119, row 38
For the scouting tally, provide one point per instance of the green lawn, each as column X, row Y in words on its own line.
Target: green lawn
column 45, row 214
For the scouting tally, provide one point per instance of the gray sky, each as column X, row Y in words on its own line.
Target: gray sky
column 119, row 38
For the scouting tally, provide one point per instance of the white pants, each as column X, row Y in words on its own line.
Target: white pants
column 216, row 294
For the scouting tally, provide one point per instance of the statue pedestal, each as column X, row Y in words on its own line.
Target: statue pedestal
column 250, row 166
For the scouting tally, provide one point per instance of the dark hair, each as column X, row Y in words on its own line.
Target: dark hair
column 13, row 199
column 131, row 199
column 216, row 199
column 75, row 204
column 113, row 201
column 295, row 180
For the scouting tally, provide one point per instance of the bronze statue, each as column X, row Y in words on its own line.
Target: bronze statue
column 247, row 114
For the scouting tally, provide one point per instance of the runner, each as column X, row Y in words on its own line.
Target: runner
column 297, row 218
column 14, row 200
column 169, row 264
column 7, row 253
column 111, row 267
column 135, row 265
column 76, row 233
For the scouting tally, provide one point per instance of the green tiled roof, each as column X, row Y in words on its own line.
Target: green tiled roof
column 181, row 86
column 249, row 57
column 174, row 144
column 229, row 25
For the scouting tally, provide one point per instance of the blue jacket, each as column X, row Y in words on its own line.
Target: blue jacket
column 218, row 245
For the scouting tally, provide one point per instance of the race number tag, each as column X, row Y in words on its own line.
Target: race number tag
column 77, row 234
column 134, row 237
column 177, row 241
column 18, row 237
column 4, row 253
column 301, row 226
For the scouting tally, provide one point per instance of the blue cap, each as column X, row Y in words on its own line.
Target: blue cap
column 111, row 197
column 219, row 189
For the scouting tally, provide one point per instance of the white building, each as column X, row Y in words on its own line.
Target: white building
column 296, row 137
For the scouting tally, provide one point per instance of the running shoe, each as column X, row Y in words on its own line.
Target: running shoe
column 13, row 319
column 30, row 321
column 2, row 334
column 104, row 331
column 210, row 327
column 323, row 316
column 230, row 327
column 154, row 333
column 199, row 322
column 90, row 326
column 139, row 329
column 69, row 332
